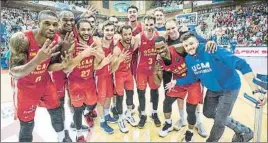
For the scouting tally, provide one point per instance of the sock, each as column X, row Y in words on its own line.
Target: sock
column 120, row 117
column 143, row 113
column 128, row 113
column 181, row 113
column 169, row 121
column 198, row 117
column 191, row 130
column 61, row 135
column 113, row 105
column 86, row 111
column 106, row 112
column 102, row 119
column 154, row 111
column 79, row 133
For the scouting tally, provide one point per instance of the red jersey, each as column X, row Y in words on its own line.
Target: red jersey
column 147, row 53
column 125, row 65
column 137, row 30
column 106, row 70
column 85, row 68
column 40, row 73
column 177, row 66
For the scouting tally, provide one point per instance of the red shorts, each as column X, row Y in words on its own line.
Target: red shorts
column 104, row 87
column 82, row 92
column 60, row 80
column 123, row 80
column 142, row 79
column 30, row 96
column 195, row 95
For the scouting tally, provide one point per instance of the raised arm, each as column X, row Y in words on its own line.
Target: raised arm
column 88, row 51
column 119, row 57
column 19, row 48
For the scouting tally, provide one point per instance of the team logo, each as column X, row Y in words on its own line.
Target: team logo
column 33, row 54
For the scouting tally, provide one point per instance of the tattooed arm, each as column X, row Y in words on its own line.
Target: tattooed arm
column 19, row 45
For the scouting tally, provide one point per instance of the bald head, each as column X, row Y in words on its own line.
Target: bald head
column 66, row 21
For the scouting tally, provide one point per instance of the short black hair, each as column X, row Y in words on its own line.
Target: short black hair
column 124, row 27
column 160, row 39
column 107, row 23
column 82, row 21
column 132, row 7
column 186, row 36
column 148, row 17
column 46, row 12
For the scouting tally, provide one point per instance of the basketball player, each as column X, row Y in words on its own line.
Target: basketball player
column 31, row 52
column 218, row 73
column 123, row 76
column 104, row 78
column 114, row 19
column 160, row 19
column 66, row 32
column 169, row 59
column 146, row 60
column 137, row 27
column 174, row 38
column 81, row 83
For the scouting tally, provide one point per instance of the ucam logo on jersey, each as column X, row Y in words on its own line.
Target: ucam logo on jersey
column 251, row 51
column 201, row 68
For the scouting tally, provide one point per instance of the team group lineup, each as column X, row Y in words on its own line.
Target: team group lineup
column 68, row 54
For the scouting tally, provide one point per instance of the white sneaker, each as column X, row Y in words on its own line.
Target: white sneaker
column 129, row 118
column 201, row 130
column 164, row 131
column 122, row 127
column 179, row 124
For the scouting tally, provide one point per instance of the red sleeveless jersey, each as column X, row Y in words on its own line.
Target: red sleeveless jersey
column 125, row 65
column 85, row 68
column 147, row 53
column 177, row 66
column 106, row 70
column 137, row 30
column 40, row 73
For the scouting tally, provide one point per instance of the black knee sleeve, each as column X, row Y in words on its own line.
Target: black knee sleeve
column 154, row 98
column 77, row 117
column 26, row 131
column 167, row 105
column 191, row 117
column 141, row 94
column 129, row 99
column 91, row 107
column 119, row 104
column 56, row 119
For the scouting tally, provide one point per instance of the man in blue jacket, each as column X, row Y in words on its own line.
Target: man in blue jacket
column 217, row 72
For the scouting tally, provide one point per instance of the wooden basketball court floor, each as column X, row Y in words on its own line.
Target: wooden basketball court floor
column 243, row 111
